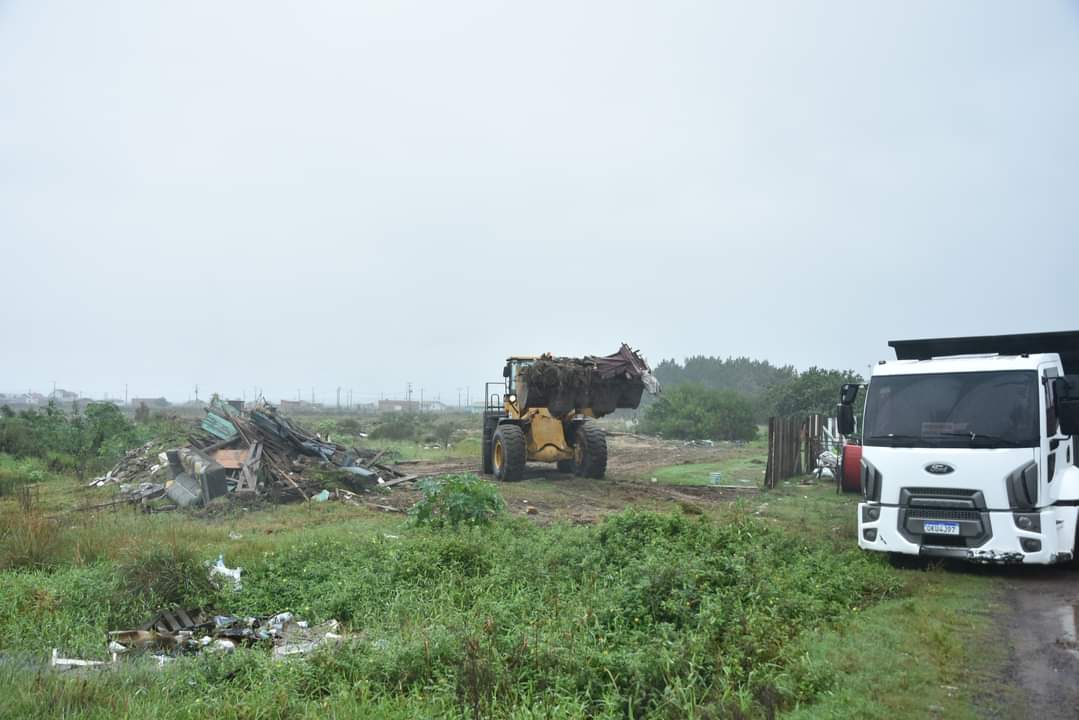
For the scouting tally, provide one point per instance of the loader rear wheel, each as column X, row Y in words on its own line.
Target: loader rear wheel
column 489, row 425
column 567, row 466
column 508, row 453
column 591, row 450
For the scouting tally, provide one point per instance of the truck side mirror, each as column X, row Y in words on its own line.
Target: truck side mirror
column 1067, row 406
column 844, row 415
column 848, row 393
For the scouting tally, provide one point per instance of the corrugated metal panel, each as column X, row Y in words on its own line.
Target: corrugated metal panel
column 219, row 426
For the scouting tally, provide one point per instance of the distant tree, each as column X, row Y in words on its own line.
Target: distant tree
column 396, row 426
column 814, row 391
column 696, row 412
column 443, row 431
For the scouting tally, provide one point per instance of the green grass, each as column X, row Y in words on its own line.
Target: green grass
column 644, row 615
column 766, row 605
column 744, row 468
column 467, row 449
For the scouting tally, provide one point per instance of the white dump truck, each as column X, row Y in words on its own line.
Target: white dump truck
column 969, row 449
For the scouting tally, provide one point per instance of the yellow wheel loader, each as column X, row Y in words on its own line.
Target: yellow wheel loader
column 547, row 407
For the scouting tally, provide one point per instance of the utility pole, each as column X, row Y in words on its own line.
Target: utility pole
column 125, row 393
column 458, row 398
column 196, row 392
column 338, row 398
column 421, row 399
column 409, row 395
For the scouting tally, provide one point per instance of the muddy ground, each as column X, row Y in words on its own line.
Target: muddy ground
column 547, row 495
column 1040, row 620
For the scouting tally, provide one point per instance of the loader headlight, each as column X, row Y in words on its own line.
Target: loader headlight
column 513, row 398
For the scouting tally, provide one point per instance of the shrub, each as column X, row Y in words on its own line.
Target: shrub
column 396, row 426
column 693, row 412
column 167, row 575
column 457, row 499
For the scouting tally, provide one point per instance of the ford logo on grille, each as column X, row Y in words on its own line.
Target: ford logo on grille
column 939, row 468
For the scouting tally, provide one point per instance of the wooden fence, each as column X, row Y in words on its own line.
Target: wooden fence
column 793, row 446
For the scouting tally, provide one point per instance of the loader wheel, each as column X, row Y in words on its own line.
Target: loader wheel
column 508, row 453
column 567, row 466
column 486, row 445
column 591, row 450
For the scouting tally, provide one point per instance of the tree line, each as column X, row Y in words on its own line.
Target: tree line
column 726, row 398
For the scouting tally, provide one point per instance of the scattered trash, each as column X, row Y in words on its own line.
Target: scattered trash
column 230, row 575
column 233, row 535
column 176, row 632
column 322, row 496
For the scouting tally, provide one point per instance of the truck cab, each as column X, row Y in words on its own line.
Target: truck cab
column 970, row 456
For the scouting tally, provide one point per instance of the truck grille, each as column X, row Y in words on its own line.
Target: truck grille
column 943, row 514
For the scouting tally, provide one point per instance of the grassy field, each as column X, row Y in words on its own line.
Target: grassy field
column 763, row 606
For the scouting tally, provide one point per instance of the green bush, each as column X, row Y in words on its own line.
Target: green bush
column 396, row 426
column 693, row 412
column 456, row 500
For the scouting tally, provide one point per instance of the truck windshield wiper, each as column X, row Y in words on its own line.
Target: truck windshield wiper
column 976, row 437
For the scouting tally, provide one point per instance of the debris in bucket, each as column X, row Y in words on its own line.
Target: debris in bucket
column 260, row 453
column 603, row 383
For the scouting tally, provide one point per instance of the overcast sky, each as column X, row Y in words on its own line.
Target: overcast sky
column 362, row 194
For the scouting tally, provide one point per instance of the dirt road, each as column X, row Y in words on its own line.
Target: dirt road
column 1041, row 617
column 546, row 495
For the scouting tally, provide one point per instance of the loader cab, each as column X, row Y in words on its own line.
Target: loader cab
column 510, row 373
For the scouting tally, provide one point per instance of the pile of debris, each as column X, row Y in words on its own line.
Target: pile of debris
column 603, row 383
column 172, row 633
column 258, row 453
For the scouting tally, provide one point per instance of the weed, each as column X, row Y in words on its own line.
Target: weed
column 167, row 575
column 456, row 500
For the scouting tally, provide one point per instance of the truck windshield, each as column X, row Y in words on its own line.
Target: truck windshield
column 976, row 409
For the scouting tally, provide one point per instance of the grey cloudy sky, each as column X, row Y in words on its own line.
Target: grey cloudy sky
column 362, row 194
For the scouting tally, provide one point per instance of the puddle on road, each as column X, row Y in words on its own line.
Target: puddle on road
column 1069, row 621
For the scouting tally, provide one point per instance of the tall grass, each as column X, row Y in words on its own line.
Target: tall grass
column 646, row 615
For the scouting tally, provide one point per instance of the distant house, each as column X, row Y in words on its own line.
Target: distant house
column 64, row 396
column 298, row 406
column 158, row 403
column 399, row 406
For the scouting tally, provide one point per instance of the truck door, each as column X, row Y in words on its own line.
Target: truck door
column 1055, row 447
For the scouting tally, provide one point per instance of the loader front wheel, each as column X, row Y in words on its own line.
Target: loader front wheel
column 591, row 450
column 508, row 453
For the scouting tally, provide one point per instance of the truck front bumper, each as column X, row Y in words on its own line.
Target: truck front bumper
column 993, row 537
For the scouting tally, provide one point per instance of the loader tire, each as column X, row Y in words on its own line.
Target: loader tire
column 508, row 453
column 567, row 466
column 487, row 445
column 591, row 449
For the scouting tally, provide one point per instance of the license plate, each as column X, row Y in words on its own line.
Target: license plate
column 941, row 528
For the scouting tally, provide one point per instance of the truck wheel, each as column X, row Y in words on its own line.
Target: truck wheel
column 591, row 450
column 488, row 438
column 508, row 451
column 567, row 466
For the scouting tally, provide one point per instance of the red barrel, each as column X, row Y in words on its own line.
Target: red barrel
column 852, row 468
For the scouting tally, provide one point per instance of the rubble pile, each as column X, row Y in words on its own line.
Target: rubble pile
column 258, row 452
